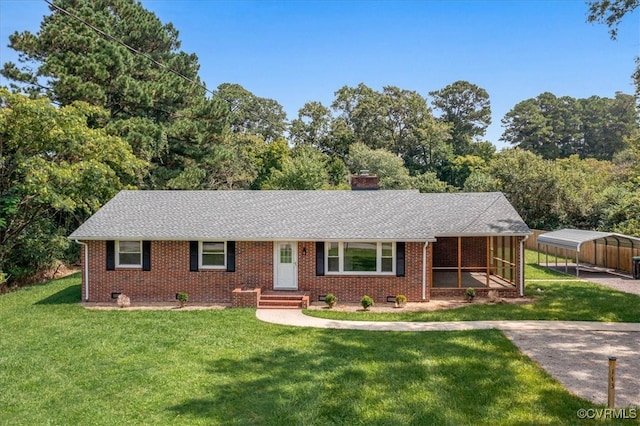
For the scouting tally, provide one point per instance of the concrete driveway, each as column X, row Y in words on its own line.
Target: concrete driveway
column 580, row 360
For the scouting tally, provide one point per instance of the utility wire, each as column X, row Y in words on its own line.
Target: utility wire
column 132, row 49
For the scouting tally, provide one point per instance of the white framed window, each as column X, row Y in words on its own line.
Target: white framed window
column 387, row 256
column 333, row 257
column 360, row 257
column 213, row 255
column 129, row 254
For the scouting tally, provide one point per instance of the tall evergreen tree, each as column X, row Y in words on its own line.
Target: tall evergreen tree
column 120, row 56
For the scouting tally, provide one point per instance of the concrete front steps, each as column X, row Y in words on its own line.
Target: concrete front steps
column 277, row 299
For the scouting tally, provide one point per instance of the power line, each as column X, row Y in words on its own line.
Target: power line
column 132, row 49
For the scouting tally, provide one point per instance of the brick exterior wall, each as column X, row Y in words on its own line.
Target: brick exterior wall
column 443, row 293
column 245, row 298
column 351, row 288
column 170, row 274
column 364, row 182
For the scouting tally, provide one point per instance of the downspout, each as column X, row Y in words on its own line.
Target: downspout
column 521, row 275
column 424, row 270
column 86, row 269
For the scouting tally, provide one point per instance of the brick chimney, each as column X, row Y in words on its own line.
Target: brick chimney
column 364, row 181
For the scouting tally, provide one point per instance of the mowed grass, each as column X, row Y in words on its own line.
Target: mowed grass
column 557, row 297
column 533, row 271
column 62, row 364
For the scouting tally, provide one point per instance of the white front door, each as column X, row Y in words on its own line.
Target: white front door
column 285, row 265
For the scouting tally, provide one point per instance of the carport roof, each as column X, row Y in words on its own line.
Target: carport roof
column 572, row 239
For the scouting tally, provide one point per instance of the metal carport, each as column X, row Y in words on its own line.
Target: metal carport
column 572, row 239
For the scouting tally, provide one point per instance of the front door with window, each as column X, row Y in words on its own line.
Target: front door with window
column 285, row 265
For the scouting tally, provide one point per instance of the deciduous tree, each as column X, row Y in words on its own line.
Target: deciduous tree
column 467, row 108
column 305, row 169
column 313, row 125
column 531, row 184
column 611, row 12
column 55, row 171
column 558, row 127
column 252, row 114
column 386, row 165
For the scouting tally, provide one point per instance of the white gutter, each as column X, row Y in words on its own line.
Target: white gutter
column 424, row 270
column 85, row 265
column 521, row 283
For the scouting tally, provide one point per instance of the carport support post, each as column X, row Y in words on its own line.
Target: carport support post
column 546, row 255
column 611, row 393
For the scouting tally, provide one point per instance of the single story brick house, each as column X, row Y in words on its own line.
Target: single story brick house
column 213, row 245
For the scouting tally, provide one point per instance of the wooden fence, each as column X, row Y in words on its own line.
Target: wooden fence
column 607, row 256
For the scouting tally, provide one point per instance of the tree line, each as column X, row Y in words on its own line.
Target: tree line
column 87, row 115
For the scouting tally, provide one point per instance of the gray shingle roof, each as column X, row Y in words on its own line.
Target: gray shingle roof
column 300, row 215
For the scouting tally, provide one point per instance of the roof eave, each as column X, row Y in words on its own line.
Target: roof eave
column 485, row 234
column 147, row 238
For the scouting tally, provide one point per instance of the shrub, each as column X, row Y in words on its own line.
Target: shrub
column 330, row 299
column 366, row 302
column 183, row 298
column 401, row 300
column 470, row 293
column 123, row 301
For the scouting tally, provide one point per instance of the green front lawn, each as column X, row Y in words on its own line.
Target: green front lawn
column 63, row 364
column 533, row 271
column 559, row 300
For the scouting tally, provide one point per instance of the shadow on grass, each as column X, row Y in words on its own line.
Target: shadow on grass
column 66, row 296
column 352, row 377
column 535, row 271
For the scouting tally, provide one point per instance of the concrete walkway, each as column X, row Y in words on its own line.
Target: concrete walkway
column 295, row 317
column 574, row 352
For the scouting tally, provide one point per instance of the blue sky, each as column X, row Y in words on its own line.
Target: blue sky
column 301, row 51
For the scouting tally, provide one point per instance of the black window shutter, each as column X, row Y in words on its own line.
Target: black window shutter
column 146, row 255
column 400, row 246
column 111, row 255
column 319, row 258
column 231, row 256
column 193, row 256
